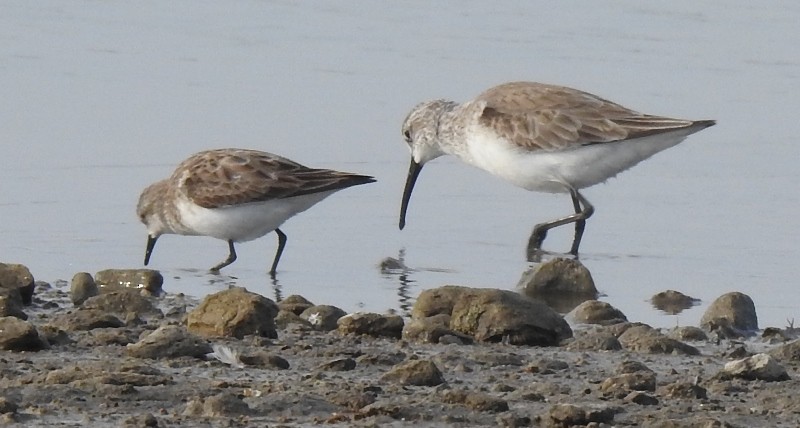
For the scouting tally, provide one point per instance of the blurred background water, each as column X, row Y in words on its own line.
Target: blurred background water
column 99, row 99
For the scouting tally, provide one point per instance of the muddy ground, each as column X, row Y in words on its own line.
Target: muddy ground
column 87, row 376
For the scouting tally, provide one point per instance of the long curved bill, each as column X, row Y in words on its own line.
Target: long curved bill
column 413, row 173
column 151, row 243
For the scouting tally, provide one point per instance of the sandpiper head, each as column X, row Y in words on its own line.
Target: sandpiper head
column 149, row 213
column 421, row 132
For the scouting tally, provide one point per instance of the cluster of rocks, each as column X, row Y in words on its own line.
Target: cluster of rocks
column 115, row 350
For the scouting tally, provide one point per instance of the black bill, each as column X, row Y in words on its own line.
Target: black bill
column 413, row 173
column 151, row 243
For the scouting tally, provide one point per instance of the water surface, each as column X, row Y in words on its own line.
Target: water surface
column 100, row 99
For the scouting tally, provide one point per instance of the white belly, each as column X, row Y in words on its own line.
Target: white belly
column 556, row 171
column 244, row 222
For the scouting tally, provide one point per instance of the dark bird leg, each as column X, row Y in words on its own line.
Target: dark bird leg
column 281, row 244
column 581, row 215
column 579, row 218
column 231, row 258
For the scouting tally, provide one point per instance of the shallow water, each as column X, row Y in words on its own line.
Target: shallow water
column 101, row 99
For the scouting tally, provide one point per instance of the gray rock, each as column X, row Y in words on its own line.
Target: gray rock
column 11, row 304
column 567, row 415
column 758, row 367
column 169, row 341
column 641, row 398
column 433, row 329
column 295, row 304
column 114, row 279
column 86, row 319
column 672, row 302
column 19, row 335
column 735, row 310
column 82, row 287
column 235, row 312
column 225, row 404
column 621, row 385
column 338, row 365
column 17, row 277
column 323, row 317
column 688, row 333
column 371, row 324
column 7, row 406
column 645, row 339
column 416, row 373
column 788, row 352
column 558, row 275
column 597, row 312
column 491, row 315
column 286, row 318
column 683, row 390
column 476, row 401
column 265, row 360
column 124, row 303
column 440, row 300
column 594, row 341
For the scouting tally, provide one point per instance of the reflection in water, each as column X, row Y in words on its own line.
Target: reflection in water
column 673, row 302
column 397, row 267
column 219, row 281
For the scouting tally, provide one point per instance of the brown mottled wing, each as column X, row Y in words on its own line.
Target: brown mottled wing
column 536, row 116
column 219, row 178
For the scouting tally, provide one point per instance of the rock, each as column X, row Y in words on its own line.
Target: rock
column 688, row 333
column 265, row 360
column 123, row 303
column 646, row 339
column 221, row 405
column 19, row 335
column 433, row 329
column 672, row 302
column 82, row 287
column 8, row 406
column 476, row 401
column 562, row 283
column 338, row 365
column 440, row 300
column 114, row 279
column 758, row 367
column 593, row 340
column 641, row 398
column 286, row 318
column 17, row 277
column 235, row 312
column 54, row 335
column 683, row 390
column 788, row 352
column 568, row 415
column 146, row 420
column 353, row 400
column 323, row 317
column 597, row 312
column 416, row 373
column 169, row 341
column 295, row 304
column 11, row 304
column 86, row 319
column 491, row 315
column 734, row 310
column 631, row 376
column 372, row 324
column 546, row 366
column 107, row 336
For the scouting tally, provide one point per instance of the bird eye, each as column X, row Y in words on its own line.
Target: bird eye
column 407, row 134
